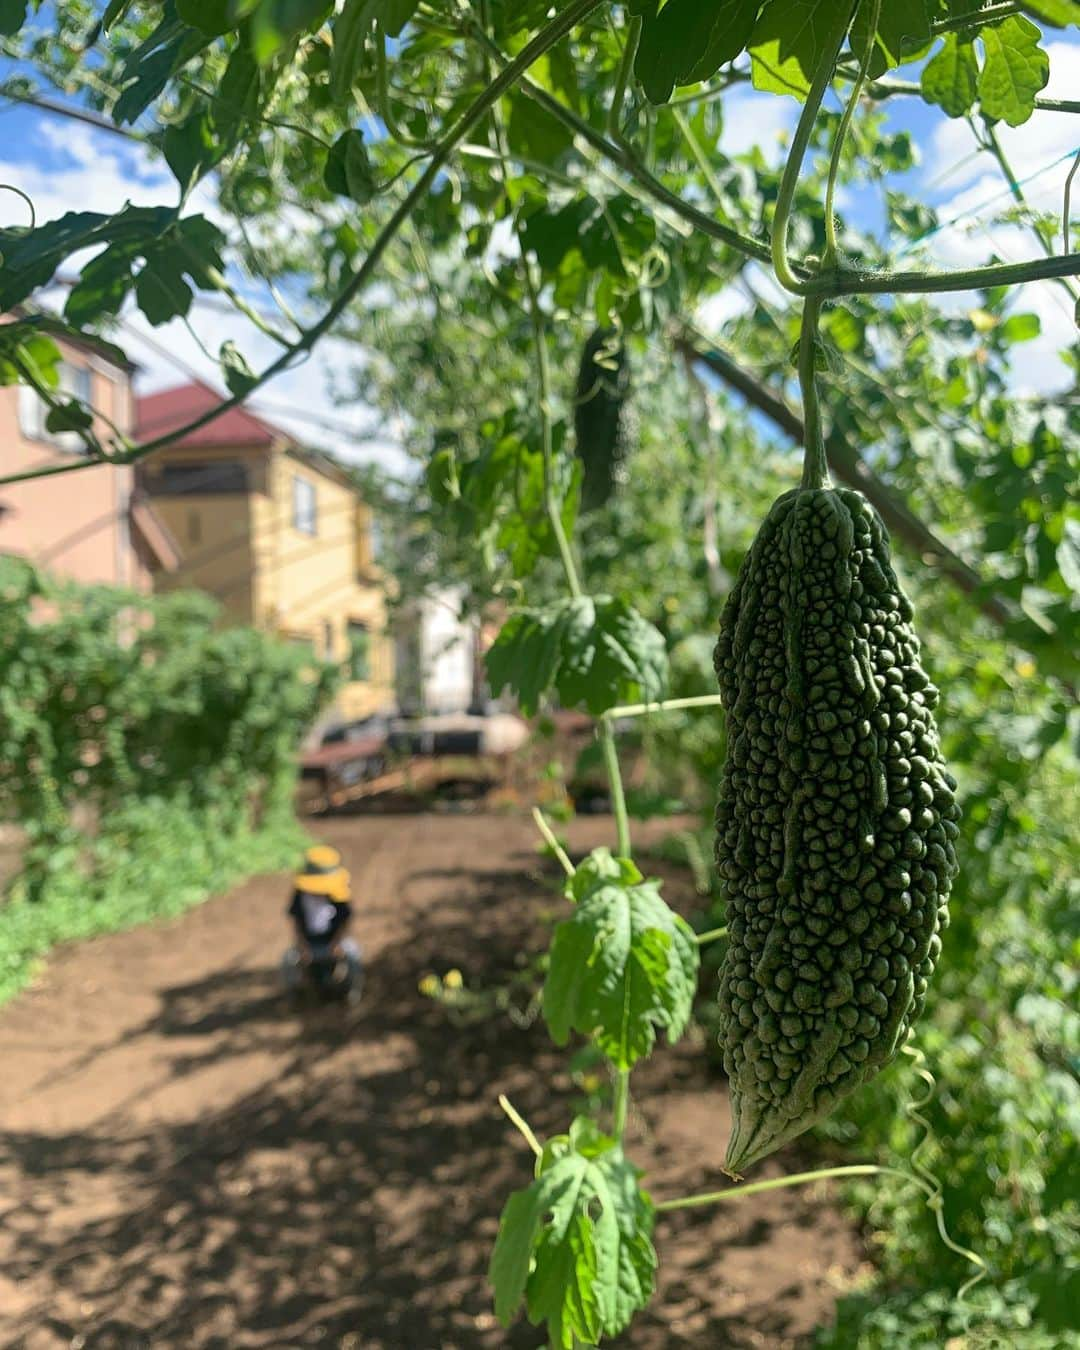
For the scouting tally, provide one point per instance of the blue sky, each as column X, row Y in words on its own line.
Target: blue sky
column 64, row 165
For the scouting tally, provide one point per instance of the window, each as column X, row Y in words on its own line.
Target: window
column 208, row 479
column 303, row 505
column 359, row 651
column 76, row 383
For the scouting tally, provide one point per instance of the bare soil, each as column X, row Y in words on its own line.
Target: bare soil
column 185, row 1162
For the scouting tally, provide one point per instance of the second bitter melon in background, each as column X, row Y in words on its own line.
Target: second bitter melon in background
column 604, row 423
column 836, row 819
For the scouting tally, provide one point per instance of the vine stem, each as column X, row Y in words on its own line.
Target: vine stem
column 958, row 23
column 993, row 144
column 551, row 502
column 883, row 89
column 815, row 462
column 668, row 705
column 845, row 281
column 618, row 795
column 713, row 935
column 832, row 253
column 932, row 1193
column 521, row 1125
column 622, row 82
column 823, row 77
column 621, row 1105
column 552, row 33
column 774, row 1184
column 1066, row 209
column 552, row 842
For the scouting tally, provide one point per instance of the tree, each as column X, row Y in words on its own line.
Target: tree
column 482, row 184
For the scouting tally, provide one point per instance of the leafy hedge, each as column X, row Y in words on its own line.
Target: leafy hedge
column 148, row 756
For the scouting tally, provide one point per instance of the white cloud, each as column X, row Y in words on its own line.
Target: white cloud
column 81, row 168
column 756, row 119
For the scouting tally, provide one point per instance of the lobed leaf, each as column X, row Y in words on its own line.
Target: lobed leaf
column 1014, row 72
column 576, row 1245
column 622, row 967
column 597, row 651
column 787, row 43
column 950, row 79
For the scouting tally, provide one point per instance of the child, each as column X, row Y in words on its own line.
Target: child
column 321, row 910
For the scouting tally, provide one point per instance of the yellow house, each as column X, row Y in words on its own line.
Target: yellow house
column 277, row 533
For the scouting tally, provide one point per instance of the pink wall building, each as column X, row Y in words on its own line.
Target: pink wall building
column 93, row 526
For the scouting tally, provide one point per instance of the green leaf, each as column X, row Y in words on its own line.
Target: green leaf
column 787, row 44
column 395, row 14
column 576, row 1245
column 903, row 27
column 68, row 416
column 595, row 651
column 239, row 377
column 31, row 340
column 846, row 330
column 149, row 66
column 1020, row 328
column 950, row 79
column 162, row 294
column 212, row 17
column 624, row 966
column 103, row 285
column 238, row 93
column 12, row 16
column 534, row 133
column 114, row 11
column 274, row 23
column 1057, row 13
column 37, row 353
column 689, row 41
column 31, row 257
column 348, row 171
column 1015, row 70
column 599, row 867
column 350, row 29
column 1068, row 556
column 190, row 149
column 512, row 1256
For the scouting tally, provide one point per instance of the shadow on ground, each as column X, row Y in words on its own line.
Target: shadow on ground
column 350, row 1197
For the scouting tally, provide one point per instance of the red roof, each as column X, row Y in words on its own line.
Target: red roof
column 161, row 413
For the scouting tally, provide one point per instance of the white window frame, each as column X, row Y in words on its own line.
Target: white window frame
column 75, row 382
column 305, row 506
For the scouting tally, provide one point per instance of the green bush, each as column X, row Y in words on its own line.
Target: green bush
column 148, row 756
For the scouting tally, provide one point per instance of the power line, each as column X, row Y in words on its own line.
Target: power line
column 328, row 423
column 1007, row 191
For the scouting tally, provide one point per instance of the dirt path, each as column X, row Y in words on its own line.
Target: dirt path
column 185, row 1163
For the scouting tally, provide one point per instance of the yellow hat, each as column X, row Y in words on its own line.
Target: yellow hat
column 323, row 874
column 321, row 858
